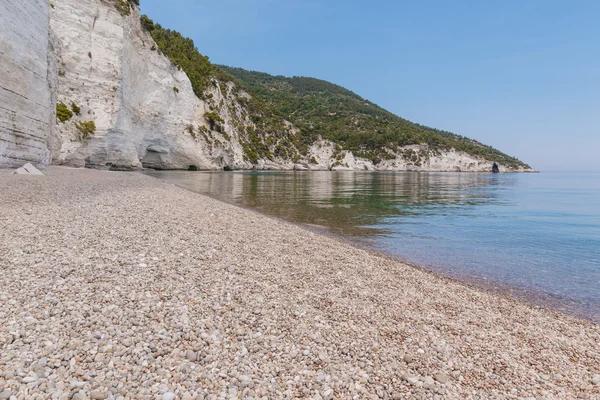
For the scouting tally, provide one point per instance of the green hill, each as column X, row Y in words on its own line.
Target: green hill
column 320, row 108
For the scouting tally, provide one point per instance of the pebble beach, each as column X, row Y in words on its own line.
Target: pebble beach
column 120, row 286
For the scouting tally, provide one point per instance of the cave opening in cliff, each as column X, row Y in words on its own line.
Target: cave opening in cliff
column 192, row 168
column 495, row 168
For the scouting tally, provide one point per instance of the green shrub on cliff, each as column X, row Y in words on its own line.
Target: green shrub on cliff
column 124, row 6
column 63, row 113
column 213, row 118
column 203, row 75
column 183, row 53
column 147, row 23
column 86, row 129
column 76, row 109
column 215, row 121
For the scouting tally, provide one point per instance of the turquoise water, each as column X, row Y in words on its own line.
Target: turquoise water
column 536, row 235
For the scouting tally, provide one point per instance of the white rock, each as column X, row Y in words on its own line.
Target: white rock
column 168, row 396
column 244, row 380
column 28, row 169
column 191, row 356
column 413, row 380
column 428, row 380
column 442, row 378
column 97, row 395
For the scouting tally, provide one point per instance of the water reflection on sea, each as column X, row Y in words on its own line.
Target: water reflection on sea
column 539, row 233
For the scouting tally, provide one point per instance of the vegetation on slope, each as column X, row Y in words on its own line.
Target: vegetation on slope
column 183, row 53
column 319, row 108
column 267, row 137
column 330, row 111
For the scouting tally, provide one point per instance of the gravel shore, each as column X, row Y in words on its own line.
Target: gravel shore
column 116, row 285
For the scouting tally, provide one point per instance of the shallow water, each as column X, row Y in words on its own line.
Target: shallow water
column 535, row 232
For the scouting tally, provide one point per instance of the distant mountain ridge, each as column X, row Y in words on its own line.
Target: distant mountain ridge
column 321, row 108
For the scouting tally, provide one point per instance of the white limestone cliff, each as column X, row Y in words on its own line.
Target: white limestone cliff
column 26, row 104
column 141, row 103
column 419, row 158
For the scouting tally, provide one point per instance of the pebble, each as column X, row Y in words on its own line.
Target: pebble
column 442, row 378
column 191, row 356
column 244, row 380
column 413, row 380
column 168, row 396
column 97, row 395
column 5, row 394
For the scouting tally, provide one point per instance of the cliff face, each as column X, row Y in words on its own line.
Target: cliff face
column 95, row 61
column 26, row 104
column 145, row 111
column 409, row 158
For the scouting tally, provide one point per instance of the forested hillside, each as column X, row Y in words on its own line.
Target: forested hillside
column 267, row 137
column 320, row 108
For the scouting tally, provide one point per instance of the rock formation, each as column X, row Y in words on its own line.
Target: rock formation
column 28, row 169
column 26, row 104
column 143, row 106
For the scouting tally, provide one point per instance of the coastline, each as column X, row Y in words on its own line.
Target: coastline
column 535, row 298
column 242, row 300
column 303, row 168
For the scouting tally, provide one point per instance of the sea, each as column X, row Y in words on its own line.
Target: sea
column 535, row 236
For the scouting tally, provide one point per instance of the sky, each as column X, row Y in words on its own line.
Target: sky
column 520, row 75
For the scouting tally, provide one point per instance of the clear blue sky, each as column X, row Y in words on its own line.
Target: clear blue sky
column 523, row 76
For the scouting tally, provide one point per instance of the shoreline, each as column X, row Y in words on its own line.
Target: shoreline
column 142, row 170
column 133, row 274
column 536, row 298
